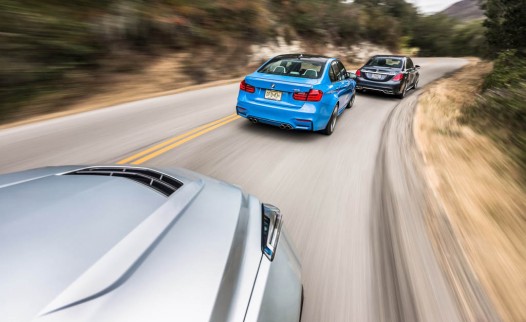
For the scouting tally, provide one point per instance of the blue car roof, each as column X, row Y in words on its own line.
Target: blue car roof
column 311, row 57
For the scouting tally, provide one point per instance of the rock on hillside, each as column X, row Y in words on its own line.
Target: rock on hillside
column 354, row 54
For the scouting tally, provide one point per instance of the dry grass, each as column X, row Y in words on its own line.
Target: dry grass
column 478, row 184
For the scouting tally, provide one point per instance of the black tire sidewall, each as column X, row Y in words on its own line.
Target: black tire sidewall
column 402, row 93
column 327, row 130
column 351, row 102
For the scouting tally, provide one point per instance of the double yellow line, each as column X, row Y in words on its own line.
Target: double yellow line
column 176, row 141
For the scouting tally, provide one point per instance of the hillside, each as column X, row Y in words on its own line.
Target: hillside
column 464, row 10
column 58, row 53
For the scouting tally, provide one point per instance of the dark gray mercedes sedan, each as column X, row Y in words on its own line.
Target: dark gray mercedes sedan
column 389, row 74
column 110, row 243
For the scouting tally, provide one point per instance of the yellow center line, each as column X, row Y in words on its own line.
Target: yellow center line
column 174, row 139
column 184, row 140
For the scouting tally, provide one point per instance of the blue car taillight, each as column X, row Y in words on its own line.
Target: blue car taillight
column 270, row 230
column 313, row 95
column 246, row 87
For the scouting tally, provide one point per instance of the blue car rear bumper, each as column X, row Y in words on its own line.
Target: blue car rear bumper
column 304, row 118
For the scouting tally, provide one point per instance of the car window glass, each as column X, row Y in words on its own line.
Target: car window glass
column 409, row 63
column 332, row 73
column 392, row 62
column 337, row 71
column 343, row 70
column 295, row 67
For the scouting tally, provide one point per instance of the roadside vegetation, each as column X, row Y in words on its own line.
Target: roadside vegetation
column 478, row 182
column 500, row 109
column 471, row 128
column 56, row 54
column 442, row 36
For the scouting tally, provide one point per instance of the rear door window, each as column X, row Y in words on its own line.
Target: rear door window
column 343, row 71
column 337, row 71
column 332, row 73
column 409, row 63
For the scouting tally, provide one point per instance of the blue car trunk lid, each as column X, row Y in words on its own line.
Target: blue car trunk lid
column 285, row 84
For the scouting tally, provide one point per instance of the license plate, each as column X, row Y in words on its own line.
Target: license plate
column 273, row 95
column 376, row 76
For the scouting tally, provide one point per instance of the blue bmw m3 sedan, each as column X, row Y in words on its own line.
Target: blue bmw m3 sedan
column 296, row 91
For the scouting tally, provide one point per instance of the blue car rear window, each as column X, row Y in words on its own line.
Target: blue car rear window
column 294, row 67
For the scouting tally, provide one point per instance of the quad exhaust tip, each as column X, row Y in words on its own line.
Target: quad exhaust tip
column 285, row 126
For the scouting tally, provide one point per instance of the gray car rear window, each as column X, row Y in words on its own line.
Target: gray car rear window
column 294, row 67
column 392, row 62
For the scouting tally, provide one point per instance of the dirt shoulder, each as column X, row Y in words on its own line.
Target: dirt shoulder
column 166, row 75
column 476, row 183
column 119, row 96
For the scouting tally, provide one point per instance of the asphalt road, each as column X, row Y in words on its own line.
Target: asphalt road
column 329, row 189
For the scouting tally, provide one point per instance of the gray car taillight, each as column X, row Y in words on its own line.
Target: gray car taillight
column 270, row 230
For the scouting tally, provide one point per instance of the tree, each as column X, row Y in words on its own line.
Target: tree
column 506, row 26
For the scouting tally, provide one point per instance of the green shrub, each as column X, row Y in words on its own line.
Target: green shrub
column 500, row 110
column 509, row 71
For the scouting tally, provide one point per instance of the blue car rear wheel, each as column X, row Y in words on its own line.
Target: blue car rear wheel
column 331, row 125
column 351, row 102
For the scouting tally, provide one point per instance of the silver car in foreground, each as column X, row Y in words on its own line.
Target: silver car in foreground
column 117, row 243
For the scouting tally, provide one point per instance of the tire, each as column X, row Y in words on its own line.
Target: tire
column 302, row 300
column 351, row 102
column 416, row 83
column 402, row 94
column 331, row 125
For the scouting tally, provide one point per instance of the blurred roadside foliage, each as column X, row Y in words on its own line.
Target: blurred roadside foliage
column 439, row 35
column 500, row 111
column 48, row 46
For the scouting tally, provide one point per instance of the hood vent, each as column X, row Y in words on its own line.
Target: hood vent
column 156, row 180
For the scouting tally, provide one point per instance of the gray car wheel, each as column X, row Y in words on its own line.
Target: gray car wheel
column 402, row 93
